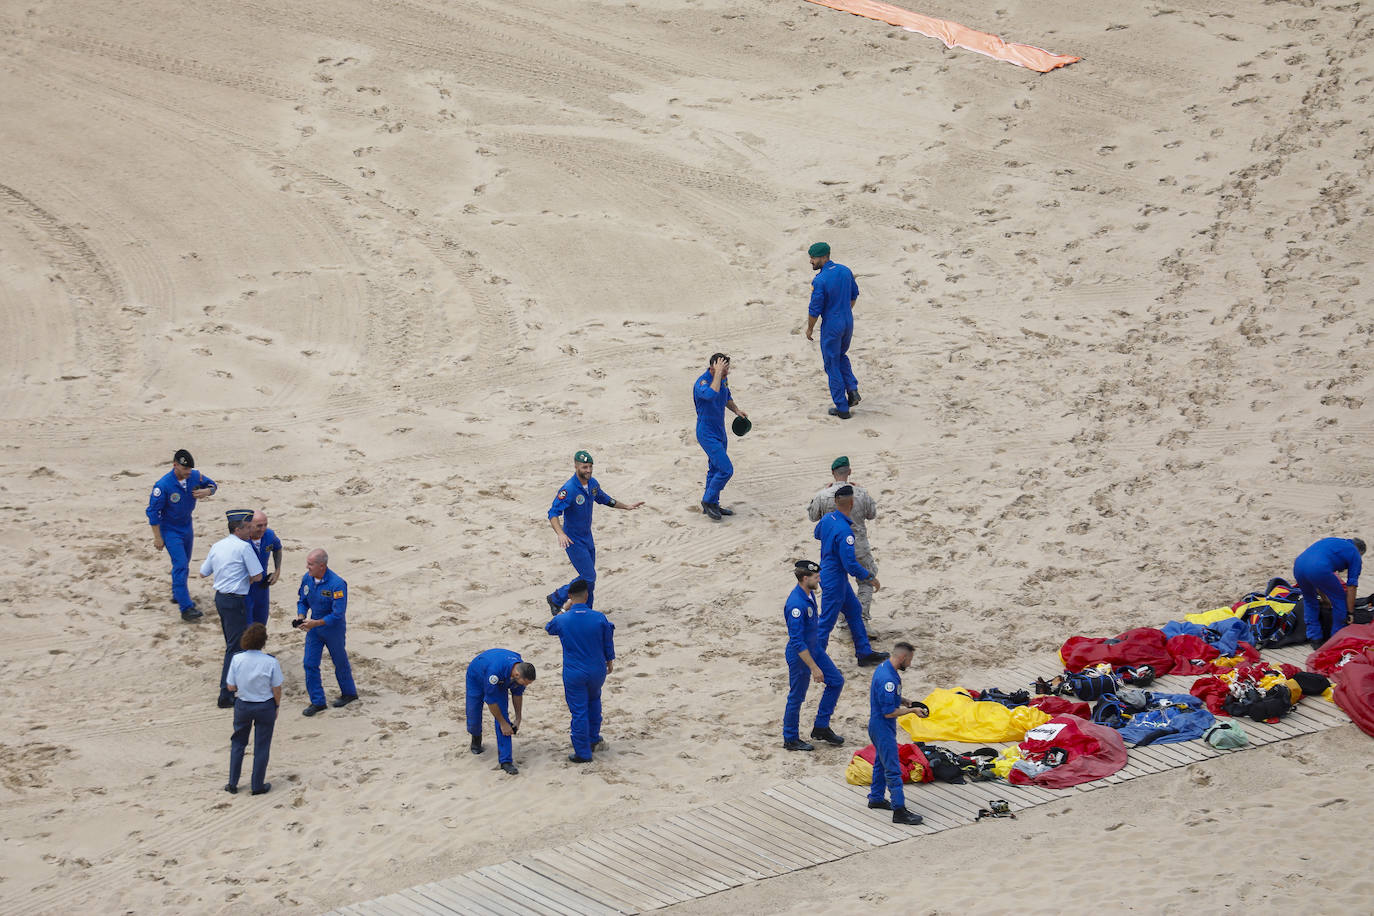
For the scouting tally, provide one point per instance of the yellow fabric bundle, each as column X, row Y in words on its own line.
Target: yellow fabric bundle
column 1206, row 617
column 859, row 772
column 955, row 716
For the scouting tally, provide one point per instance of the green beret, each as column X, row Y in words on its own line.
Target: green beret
column 818, row 250
column 840, row 462
column 583, row 455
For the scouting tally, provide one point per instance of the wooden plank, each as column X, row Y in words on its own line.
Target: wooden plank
column 481, row 890
column 556, row 890
column 601, row 884
column 701, row 881
column 554, row 886
column 768, row 846
column 818, row 850
column 640, row 864
column 386, row 906
column 875, row 834
column 465, row 904
column 856, row 811
column 797, row 821
column 799, row 827
column 727, row 846
column 516, row 887
column 959, row 799
column 840, row 792
column 849, row 808
column 634, row 880
column 693, row 855
column 423, row 905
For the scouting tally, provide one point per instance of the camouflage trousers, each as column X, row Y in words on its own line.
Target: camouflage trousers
column 865, row 589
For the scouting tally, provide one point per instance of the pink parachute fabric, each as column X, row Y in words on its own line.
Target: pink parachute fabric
column 953, row 34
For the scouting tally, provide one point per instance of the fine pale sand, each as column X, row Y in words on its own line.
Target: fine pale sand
column 384, row 266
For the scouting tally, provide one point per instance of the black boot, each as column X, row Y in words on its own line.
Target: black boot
column 903, row 816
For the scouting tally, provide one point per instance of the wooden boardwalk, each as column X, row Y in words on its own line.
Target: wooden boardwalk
column 780, row 830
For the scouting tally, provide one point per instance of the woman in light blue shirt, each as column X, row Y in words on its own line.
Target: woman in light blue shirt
column 255, row 680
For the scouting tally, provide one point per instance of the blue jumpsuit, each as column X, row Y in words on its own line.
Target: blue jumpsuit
column 259, row 602
column 711, row 434
column 170, row 506
column 884, row 696
column 1315, row 570
column 801, row 616
column 325, row 600
column 574, row 502
column 836, row 535
column 587, row 645
column 489, row 681
column 833, row 292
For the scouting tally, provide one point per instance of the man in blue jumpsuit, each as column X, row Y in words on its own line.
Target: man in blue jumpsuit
column 588, row 656
column 836, row 534
column 570, row 516
column 323, row 596
column 497, row 678
column 712, row 398
column 885, row 706
column 265, row 543
column 833, row 293
column 807, row 662
column 1315, row 571
column 169, row 513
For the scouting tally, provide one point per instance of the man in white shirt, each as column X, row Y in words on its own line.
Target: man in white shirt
column 234, row 564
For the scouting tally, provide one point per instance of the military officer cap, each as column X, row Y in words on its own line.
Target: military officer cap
column 583, row 455
column 183, row 458
column 818, row 250
column 840, row 462
column 844, row 491
column 806, row 566
column 237, row 516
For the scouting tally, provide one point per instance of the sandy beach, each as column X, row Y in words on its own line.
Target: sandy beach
column 384, row 266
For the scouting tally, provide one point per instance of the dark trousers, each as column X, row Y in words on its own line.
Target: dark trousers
column 233, row 619
column 261, row 718
column 259, row 602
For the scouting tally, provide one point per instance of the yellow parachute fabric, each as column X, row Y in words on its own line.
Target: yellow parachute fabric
column 955, row 716
column 1003, row 764
column 1206, row 617
column 859, row 772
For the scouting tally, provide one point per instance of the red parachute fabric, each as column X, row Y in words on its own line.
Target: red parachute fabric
column 1356, row 640
column 1213, row 692
column 1055, row 706
column 1142, row 646
column 1353, row 691
column 1094, row 751
column 908, row 755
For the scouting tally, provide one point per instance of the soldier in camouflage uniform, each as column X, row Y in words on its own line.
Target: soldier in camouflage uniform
column 864, row 510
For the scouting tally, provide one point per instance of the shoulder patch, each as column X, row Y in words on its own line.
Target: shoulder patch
column 562, row 494
column 493, row 679
column 338, row 594
column 849, row 540
column 157, row 491
column 889, row 687
column 796, row 612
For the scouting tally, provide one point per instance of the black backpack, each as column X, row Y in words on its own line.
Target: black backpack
column 1110, row 711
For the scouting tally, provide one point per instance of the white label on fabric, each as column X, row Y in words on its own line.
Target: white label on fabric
column 889, row 686
column 493, row 679
column 580, row 499
column 157, row 491
column 849, row 540
column 1045, row 732
column 796, row 612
